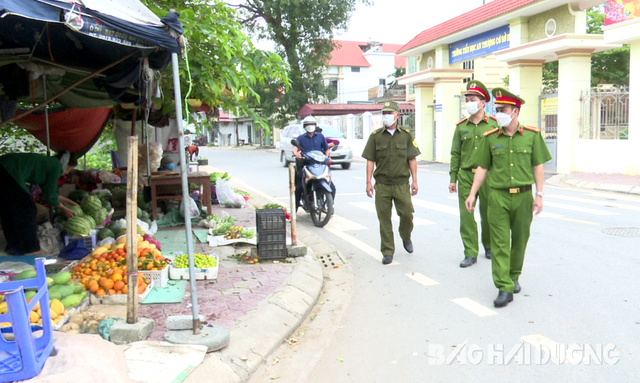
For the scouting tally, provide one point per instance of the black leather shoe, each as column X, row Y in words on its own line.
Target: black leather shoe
column 468, row 261
column 516, row 289
column 387, row 259
column 408, row 246
column 503, row 299
column 487, row 253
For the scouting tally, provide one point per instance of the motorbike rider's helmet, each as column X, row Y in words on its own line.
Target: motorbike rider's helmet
column 309, row 124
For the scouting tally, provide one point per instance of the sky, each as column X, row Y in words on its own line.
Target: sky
column 398, row 21
column 394, row 21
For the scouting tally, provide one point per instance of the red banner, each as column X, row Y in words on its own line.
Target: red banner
column 616, row 11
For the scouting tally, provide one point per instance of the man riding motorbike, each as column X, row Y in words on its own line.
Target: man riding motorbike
column 311, row 140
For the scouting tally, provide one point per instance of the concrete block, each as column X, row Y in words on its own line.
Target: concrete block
column 293, row 300
column 308, row 284
column 635, row 190
column 122, row 332
column 313, row 269
column 296, row 251
column 181, row 322
column 615, row 188
column 570, row 181
column 212, row 366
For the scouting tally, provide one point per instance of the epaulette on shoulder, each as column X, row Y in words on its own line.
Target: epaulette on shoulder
column 407, row 130
column 533, row 129
column 377, row 130
column 488, row 132
column 494, row 117
column 461, row 121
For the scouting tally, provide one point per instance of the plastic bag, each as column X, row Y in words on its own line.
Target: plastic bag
column 194, row 212
column 227, row 197
column 108, row 177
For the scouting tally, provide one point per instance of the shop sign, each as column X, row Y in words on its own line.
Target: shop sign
column 479, row 45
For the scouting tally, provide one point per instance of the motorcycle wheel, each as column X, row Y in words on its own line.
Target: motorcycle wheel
column 322, row 214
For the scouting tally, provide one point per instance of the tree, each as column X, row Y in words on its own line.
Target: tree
column 224, row 68
column 303, row 33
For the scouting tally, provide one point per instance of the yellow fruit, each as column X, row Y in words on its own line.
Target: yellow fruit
column 121, row 241
column 99, row 250
column 140, row 239
column 34, row 317
column 4, row 308
column 54, row 315
column 57, row 306
column 120, row 246
column 152, row 246
column 5, row 324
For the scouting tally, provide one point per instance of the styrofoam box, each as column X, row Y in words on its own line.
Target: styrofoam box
column 160, row 277
column 211, row 273
column 119, row 299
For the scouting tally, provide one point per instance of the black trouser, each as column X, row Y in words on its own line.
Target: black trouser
column 19, row 216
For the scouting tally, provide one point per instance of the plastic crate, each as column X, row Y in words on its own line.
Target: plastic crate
column 271, row 220
column 89, row 241
column 24, row 357
column 159, row 277
column 272, row 250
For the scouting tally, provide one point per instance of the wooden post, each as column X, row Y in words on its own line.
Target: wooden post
column 132, row 230
column 292, row 190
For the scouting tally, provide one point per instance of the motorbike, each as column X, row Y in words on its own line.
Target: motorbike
column 317, row 198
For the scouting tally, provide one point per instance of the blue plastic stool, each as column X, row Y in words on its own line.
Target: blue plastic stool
column 24, row 357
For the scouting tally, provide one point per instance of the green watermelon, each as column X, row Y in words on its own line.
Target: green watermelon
column 114, row 227
column 106, row 204
column 77, row 210
column 99, row 215
column 77, row 195
column 90, row 204
column 77, row 226
column 144, row 215
column 141, row 203
column 92, row 222
column 105, row 233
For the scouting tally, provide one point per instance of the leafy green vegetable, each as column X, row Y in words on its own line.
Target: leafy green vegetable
column 247, row 233
column 222, row 228
column 272, row 206
column 217, row 175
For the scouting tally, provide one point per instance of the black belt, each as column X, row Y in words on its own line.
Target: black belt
column 472, row 170
column 516, row 190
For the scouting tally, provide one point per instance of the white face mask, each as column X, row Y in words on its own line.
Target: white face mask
column 388, row 119
column 310, row 128
column 472, row 107
column 503, row 119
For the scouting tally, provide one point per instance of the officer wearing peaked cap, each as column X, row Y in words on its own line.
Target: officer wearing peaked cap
column 515, row 154
column 466, row 139
column 392, row 152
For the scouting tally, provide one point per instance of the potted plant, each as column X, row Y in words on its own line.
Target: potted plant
column 203, row 161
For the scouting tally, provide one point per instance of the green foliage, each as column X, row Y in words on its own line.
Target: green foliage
column 14, row 139
column 98, row 157
column 608, row 67
column 225, row 66
column 303, row 33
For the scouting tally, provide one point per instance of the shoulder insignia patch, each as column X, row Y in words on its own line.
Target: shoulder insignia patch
column 377, row 130
column 493, row 117
column 461, row 121
column 415, row 143
column 407, row 130
column 488, row 132
column 533, row 129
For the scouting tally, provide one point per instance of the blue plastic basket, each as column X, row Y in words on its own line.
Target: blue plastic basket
column 24, row 357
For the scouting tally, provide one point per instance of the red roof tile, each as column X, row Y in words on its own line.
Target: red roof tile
column 400, row 61
column 341, row 109
column 348, row 53
column 458, row 23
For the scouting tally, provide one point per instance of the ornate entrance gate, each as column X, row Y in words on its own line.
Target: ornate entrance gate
column 605, row 114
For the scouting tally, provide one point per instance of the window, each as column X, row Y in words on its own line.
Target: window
column 355, row 69
column 334, row 85
column 468, row 65
column 382, row 82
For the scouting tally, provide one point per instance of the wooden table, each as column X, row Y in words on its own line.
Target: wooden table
column 168, row 191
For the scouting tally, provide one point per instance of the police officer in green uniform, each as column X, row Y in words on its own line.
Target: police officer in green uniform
column 466, row 139
column 515, row 154
column 392, row 152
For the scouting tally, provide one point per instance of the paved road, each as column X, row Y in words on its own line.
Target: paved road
column 423, row 318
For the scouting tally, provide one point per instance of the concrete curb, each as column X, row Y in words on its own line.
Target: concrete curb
column 617, row 188
column 262, row 331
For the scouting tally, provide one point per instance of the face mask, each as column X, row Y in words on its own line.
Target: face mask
column 472, row 107
column 169, row 166
column 503, row 119
column 388, row 119
column 310, row 128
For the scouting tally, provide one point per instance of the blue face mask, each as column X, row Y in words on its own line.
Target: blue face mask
column 169, row 166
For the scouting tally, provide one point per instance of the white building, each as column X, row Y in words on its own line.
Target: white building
column 356, row 66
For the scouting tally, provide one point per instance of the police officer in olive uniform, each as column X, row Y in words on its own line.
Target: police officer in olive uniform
column 515, row 154
column 466, row 139
column 392, row 152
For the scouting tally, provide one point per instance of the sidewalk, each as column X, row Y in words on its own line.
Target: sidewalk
column 597, row 181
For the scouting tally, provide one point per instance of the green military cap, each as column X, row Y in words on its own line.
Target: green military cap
column 390, row 106
column 476, row 87
column 503, row 96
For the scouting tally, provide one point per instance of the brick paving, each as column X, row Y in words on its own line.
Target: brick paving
column 603, row 178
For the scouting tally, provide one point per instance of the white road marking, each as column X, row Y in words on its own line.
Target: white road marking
column 594, row 202
column 437, row 171
column 360, row 178
column 370, row 206
column 538, row 340
column 578, row 208
column 422, row 279
column 546, row 214
column 342, row 224
column 474, row 307
column 436, row 206
column 375, row 254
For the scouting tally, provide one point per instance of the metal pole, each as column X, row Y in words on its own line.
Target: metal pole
column 46, row 113
column 184, row 167
column 292, row 192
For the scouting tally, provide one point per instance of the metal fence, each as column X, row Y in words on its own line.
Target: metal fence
column 605, row 114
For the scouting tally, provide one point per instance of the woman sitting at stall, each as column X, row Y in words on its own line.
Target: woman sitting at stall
column 18, row 211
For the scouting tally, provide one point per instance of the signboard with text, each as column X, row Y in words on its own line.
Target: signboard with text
column 479, row 45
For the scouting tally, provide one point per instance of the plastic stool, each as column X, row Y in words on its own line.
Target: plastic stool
column 24, row 357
